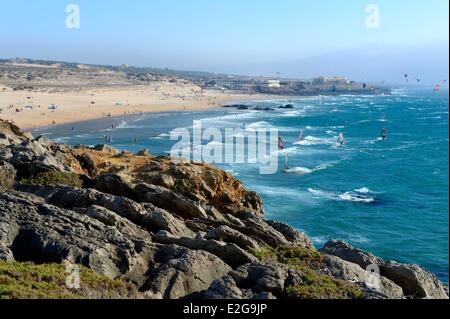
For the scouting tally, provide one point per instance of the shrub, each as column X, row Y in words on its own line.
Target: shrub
column 54, row 178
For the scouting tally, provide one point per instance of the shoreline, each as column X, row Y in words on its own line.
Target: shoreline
column 30, row 110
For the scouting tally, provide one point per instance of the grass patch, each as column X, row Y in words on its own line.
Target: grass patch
column 48, row 281
column 314, row 285
column 54, row 178
column 317, row 286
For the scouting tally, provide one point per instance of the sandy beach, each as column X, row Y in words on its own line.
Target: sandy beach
column 35, row 109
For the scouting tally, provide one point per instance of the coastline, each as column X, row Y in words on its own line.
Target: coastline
column 117, row 194
column 74, row 107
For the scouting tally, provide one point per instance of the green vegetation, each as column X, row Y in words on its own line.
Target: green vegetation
column 48, row 281
column 54, row 178
column 314, row 285
column 295, row 256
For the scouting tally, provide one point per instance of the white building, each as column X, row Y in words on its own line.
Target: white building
column 273, row 83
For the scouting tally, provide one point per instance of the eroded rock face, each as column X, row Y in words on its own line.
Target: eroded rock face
column 174, row 229
column 375, row 285
column 32, row 230
column 413, row 279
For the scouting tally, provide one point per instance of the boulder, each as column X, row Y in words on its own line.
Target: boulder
column 170, row 201
column 347, row 252
column 180, row 272
column 372, row 283
column 267, row 277
column 162, row 180
column 226, row 288
column 157, row 219
column 415, row 281
column 292, row 236
column 115, row 185
column 228, row 252
column 229, row 235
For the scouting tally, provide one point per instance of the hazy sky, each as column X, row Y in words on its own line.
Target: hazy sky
column 294, row 37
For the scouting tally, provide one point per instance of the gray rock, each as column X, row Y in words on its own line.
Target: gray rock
column 267, row 277
column 228, row 252
column 34, row 231
column 293, row 236
column 226, row 288
column 229, row 235
column 69, row 198
column 370, row 282
column 182, row 272
column 170, row 201
column 347, row 252
column 115, row 185
column 163, row 180
column 415, row 281
column 157, row 219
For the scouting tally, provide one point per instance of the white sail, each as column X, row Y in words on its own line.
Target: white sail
column 281, row 144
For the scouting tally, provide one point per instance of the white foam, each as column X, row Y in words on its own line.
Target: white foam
column 363, row 190
column 300, row 170
column 311, row 140
column 347, row 196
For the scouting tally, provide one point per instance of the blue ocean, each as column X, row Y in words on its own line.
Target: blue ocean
column 388, row 196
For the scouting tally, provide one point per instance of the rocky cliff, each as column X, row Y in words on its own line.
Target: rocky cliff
column 170, row 229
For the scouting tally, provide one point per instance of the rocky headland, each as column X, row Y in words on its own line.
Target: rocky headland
column 141, row 226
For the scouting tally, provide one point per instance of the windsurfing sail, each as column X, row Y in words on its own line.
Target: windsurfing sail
column 437, row 88
column 281, row 144
column 286, row 164
column 341, row 138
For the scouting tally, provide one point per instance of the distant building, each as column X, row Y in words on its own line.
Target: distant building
column 273, row 83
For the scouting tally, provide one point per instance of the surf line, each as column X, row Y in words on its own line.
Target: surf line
column 260, row 146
